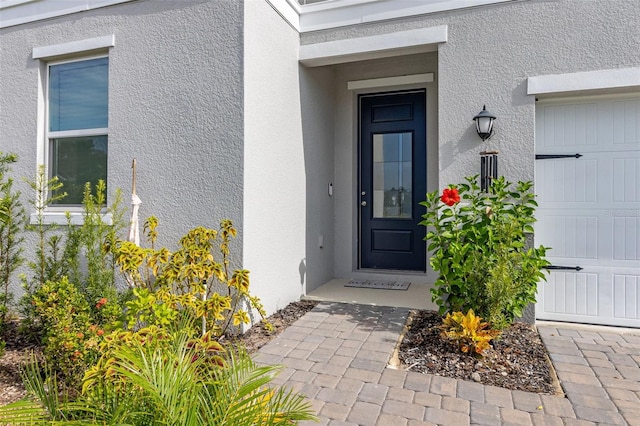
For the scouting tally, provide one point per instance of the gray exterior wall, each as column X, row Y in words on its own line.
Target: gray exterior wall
column 318, row 130
column 490, row 53
column 275, row 178
column 175, row 104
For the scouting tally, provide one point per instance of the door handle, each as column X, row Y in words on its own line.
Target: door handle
column 363, row 203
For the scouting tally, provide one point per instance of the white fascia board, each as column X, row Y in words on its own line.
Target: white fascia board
column 337, row 13
column 378, row 46
column 79, row 46
column 16, row 12
column 374, row 83
column 5, row 4
column 289, row 10
column 581, row 81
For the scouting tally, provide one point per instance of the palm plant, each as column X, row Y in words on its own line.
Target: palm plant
column 175, row 385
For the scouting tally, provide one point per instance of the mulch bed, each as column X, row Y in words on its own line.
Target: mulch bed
column 18, row 351
column 517, row 359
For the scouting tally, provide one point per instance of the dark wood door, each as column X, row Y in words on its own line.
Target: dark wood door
column 392, row 180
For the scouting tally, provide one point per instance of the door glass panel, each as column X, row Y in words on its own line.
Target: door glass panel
column 392, row 175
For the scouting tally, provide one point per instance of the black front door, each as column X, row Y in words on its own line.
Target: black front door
column 392, row 180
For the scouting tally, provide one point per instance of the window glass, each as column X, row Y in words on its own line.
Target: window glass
column 77, row 161
column 392, row 173
column 78, row 95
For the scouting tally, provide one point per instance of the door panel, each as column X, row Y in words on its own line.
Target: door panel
column 392, row 180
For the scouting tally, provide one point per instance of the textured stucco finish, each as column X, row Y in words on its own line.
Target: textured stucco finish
column 490, row 52
column 276, row 172
column 318, row 123
column 175, row 104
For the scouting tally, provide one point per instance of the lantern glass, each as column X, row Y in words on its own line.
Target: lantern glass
column 484, row 125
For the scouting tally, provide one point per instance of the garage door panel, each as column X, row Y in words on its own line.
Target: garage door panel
column 589, row 237
column 569, row 236
column 568, row 180
column 571, row 293
column 626, row 239
column 591, row 297
column 626, row 122
column 626, row 179
column 568, row 125
column 626, row 295
column 612, row 177
column 602, row 126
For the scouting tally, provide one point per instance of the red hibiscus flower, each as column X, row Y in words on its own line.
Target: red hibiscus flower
column 450, row 196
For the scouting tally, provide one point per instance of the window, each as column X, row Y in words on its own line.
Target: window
column 77, row 124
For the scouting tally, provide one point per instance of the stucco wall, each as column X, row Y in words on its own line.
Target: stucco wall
column 175, row 104
column 490, row 52
column 317, row 87
column 274, row 180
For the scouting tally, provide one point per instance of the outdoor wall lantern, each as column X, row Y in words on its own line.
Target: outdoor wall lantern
column 484, row 123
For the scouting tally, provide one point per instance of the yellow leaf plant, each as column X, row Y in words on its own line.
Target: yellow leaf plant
column 468, row 331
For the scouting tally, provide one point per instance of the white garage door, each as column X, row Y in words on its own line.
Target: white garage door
column 589, row 209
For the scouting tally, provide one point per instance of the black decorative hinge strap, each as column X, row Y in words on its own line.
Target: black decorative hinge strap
column 549, row 156
column 564, row 268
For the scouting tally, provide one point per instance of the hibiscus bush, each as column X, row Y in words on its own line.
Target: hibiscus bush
column 480, row 244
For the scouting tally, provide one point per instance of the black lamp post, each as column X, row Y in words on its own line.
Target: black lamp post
column 484, row 123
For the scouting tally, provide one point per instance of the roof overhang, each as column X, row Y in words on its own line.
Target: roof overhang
column 16, row 12
column 338, row 13
column 372, row 47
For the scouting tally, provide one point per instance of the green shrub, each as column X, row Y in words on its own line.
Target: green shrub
column 70, row 339
column 479, row 246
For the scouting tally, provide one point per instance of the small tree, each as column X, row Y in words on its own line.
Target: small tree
column 12, row 220
column 89, row 244
column 49, row 263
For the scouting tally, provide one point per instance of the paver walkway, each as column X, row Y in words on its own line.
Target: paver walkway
column 337, row 355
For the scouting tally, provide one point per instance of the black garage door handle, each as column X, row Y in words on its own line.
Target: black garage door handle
column 564, row 268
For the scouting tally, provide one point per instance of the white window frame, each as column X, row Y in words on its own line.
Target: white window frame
column 55, row 55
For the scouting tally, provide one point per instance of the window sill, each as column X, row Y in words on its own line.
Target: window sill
column 60, row 218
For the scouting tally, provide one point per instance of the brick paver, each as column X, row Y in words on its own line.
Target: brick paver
column 337, row 356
